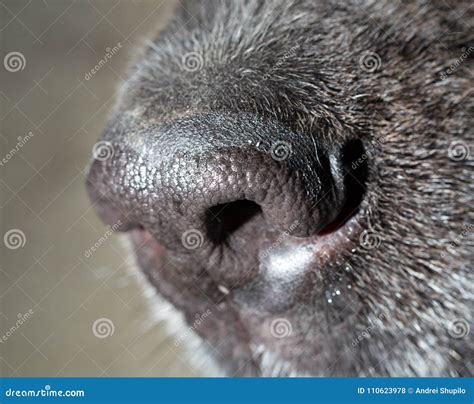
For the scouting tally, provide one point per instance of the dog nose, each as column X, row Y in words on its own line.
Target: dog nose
column 210, row 187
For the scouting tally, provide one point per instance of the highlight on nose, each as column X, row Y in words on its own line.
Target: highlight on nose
column 211, row 187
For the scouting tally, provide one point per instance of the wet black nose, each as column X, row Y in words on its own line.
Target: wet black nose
column 210, row 187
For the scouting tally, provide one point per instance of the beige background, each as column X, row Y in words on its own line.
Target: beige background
column 42, row 195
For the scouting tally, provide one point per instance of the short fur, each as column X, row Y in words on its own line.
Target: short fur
column 303, row 63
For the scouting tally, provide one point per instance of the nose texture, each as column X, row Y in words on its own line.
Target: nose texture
column 211, row 188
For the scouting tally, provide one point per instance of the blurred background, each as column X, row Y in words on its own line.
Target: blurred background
column 66, row 310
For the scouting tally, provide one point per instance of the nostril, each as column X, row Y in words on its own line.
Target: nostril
column 354, row 163
column 225, row 219
column 218, row 177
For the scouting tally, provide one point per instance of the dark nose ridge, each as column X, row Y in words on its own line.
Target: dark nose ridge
column 209, row 187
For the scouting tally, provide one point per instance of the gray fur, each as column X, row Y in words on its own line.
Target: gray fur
column 300, row 63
